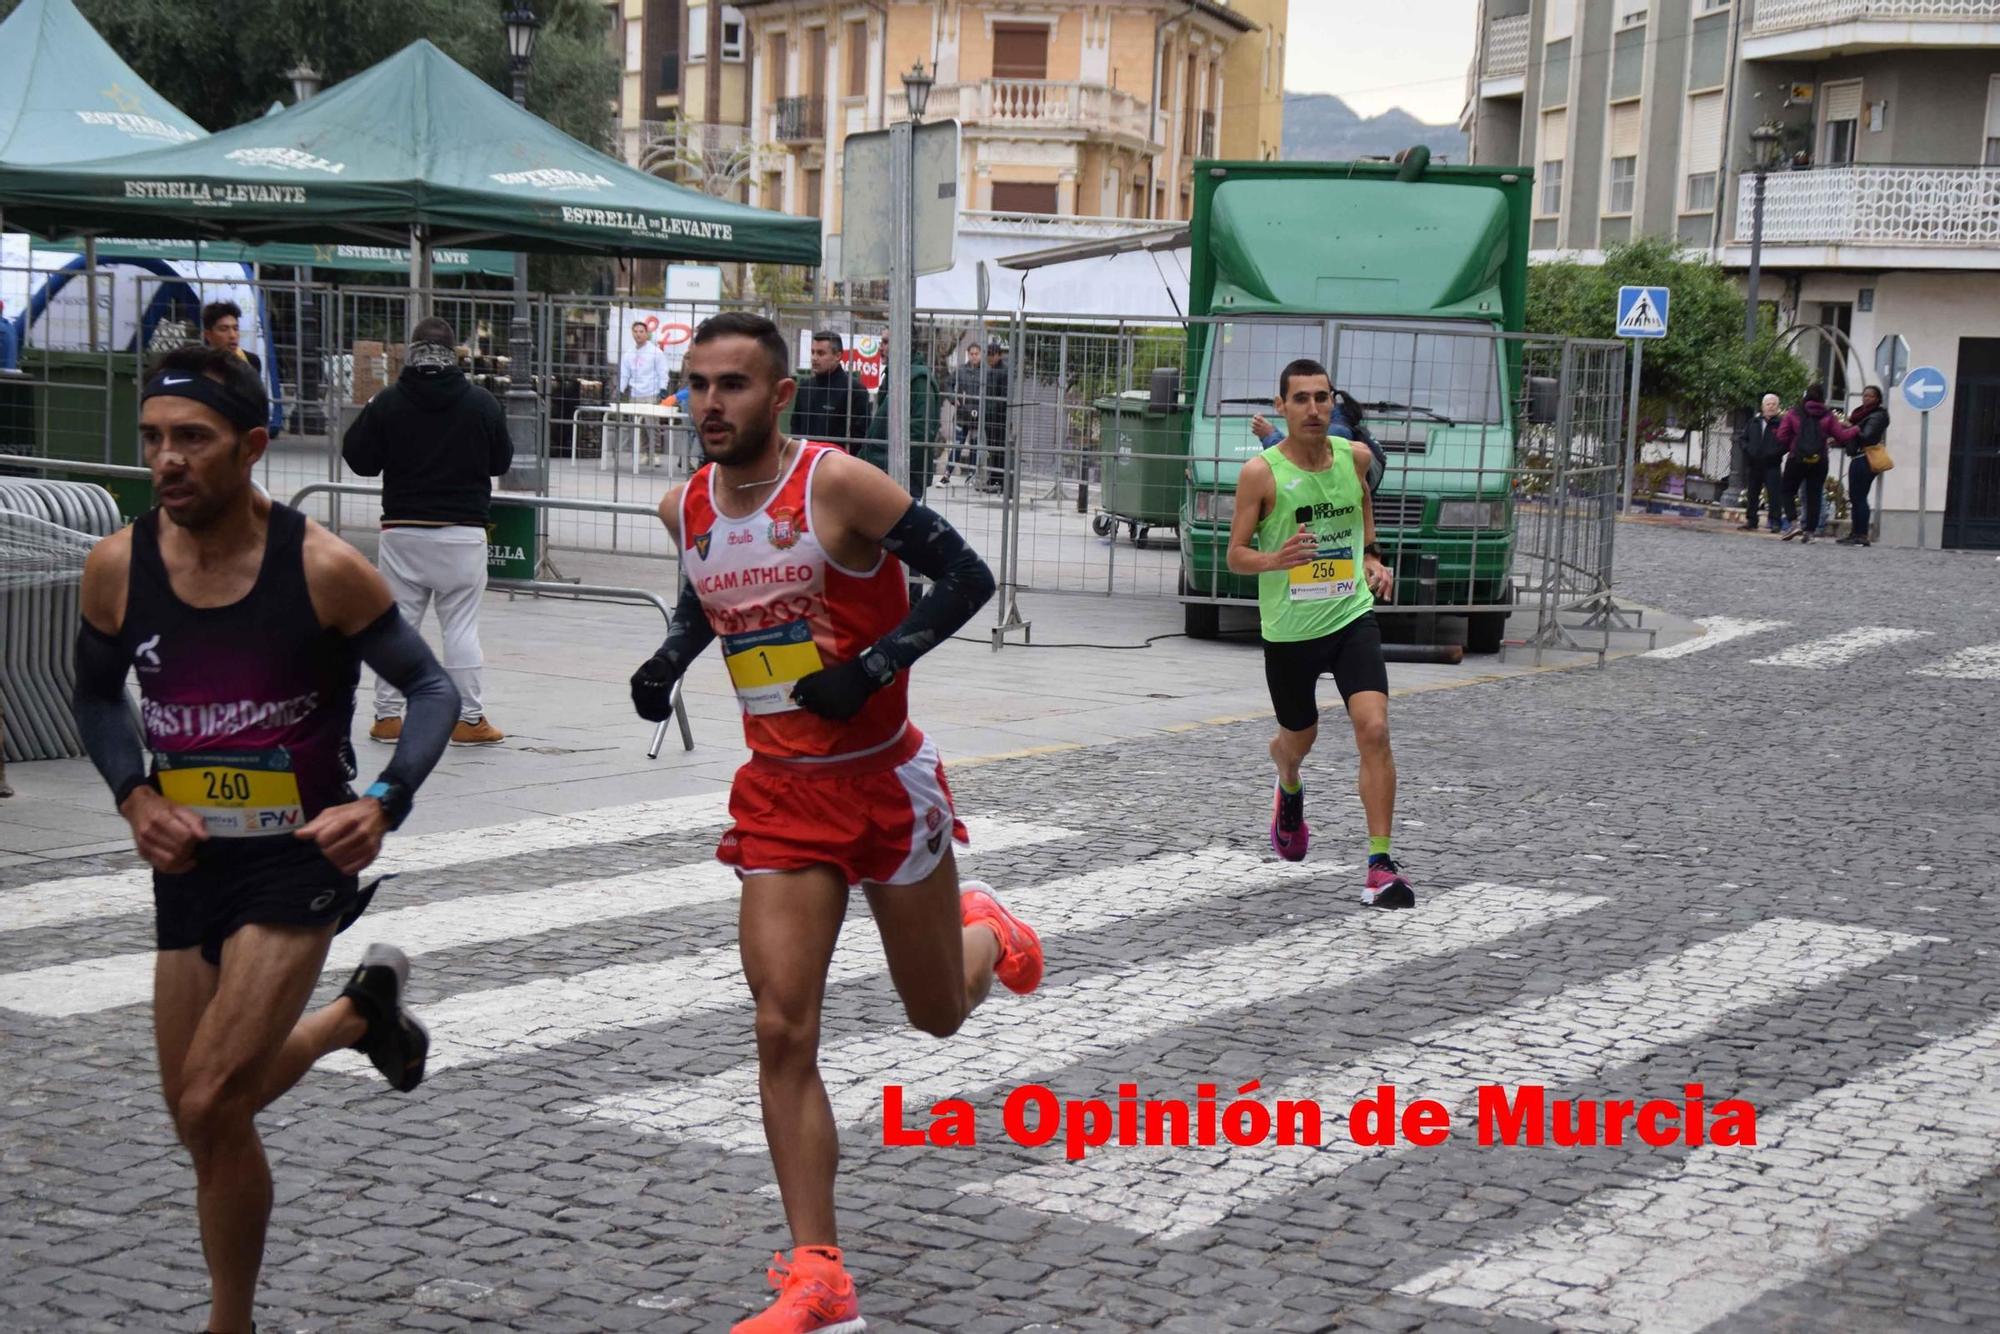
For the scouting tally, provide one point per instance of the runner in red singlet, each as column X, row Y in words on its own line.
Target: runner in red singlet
column 793, row 556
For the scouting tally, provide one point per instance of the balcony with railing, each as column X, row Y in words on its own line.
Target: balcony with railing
column 1065, row 109
column 798, row 120
column 1506, row 52
column 1793, row 29
column 1954, row 211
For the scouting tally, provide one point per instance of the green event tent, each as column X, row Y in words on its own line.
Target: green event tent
column 417, row 140
column 66, row 96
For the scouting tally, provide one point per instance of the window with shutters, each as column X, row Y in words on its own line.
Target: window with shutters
column 1841, row 122
column 815, row 70
column 1621, row 179
column 635, row 46
column 856, row 42
column 1631, row 12
column 810, row 204
column 1553, row 149
column 1020, row 51
column 1026, row 197
column 775, row 66
column 732, row 33
column 1992, row 157
column 1701, row 152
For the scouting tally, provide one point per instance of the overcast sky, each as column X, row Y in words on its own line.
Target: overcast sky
column 1405, row 53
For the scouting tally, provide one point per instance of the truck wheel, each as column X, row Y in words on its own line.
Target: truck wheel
column 1201, row 620
column 1485, row 630
column 1103, row 525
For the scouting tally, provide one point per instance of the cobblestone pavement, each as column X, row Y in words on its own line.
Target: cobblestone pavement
column 1762, row 862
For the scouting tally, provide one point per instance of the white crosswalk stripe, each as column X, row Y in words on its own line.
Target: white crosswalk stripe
column 126, row 979
column 547, row 1012
column 1573, row 1035
column 1720, row 630
column 88, row 897
column 1841, row 649
column 1968, row 664
column 1670, row 1255
column 1014, row 1039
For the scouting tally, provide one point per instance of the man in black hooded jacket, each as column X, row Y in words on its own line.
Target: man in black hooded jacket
column 437, row 441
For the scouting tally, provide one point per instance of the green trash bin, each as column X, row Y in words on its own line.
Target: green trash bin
column 69, row 397
column 1142, row 455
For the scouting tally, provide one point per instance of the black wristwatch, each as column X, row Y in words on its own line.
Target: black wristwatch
column 876, row 666
column 1374, row 549
column 395, row 798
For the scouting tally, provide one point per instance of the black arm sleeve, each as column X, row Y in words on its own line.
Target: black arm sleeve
column 688, row 633
column 101, row 716
column 960, row 585
column 399, row 656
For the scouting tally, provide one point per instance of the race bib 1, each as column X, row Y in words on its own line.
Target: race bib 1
column 237, row 794
column 764, row 665
column 1330, row 574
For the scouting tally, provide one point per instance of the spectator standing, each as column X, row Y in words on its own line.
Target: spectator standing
column 923, row 424
column 1763, row 458
column 832, row 406
column 642, row 380
column 968, row 383
column 436, row 440
column 222, row 329
column 1808, row 432
column 1870, row 425
column 994, row 421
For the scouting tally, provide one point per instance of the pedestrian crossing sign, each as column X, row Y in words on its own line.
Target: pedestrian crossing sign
column 1642, row 312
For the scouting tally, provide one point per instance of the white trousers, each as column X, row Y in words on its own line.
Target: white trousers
column 446, row 566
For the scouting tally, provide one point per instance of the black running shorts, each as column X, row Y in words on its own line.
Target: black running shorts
column 237, row 882
column 1352, row 655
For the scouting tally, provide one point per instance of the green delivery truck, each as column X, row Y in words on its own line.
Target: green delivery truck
column 1401, row 273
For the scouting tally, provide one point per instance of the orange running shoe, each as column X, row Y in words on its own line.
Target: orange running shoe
column 1020, row 966
column 815, row 1296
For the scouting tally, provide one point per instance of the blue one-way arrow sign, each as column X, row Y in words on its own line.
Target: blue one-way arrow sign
column 1923, row 388
column 1642, row 312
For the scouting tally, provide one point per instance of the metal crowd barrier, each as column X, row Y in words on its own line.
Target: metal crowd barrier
column 554, row 588
column 38, row 623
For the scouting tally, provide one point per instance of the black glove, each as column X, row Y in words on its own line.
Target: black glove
column 653, row 689
column 839, row 692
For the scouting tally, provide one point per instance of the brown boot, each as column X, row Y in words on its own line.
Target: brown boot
column 478, row 732
column 387, row 729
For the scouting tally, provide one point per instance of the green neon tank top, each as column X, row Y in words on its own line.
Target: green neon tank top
column 1317, row 598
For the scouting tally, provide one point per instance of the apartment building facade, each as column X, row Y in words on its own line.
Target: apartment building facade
column 1882, row 204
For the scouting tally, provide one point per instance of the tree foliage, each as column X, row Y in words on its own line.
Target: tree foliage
column 225, row 61
column 1702, row 370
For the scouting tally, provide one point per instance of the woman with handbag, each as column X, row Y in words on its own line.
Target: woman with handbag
column 1867, row 455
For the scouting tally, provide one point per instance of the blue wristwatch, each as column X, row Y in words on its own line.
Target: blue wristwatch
column 395, row 798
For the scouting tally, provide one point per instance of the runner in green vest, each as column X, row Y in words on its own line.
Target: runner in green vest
column 1303, row 513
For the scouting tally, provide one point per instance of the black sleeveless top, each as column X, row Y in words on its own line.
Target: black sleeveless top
column 246, row 707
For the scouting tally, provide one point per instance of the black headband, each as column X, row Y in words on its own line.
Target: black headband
column 238, row 409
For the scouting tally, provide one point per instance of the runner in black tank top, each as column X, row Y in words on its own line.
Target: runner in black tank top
column 246, row 625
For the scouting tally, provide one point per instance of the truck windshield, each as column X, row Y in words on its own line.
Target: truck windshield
column 1442, row 369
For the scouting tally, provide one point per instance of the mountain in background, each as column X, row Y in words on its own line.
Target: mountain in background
column 1320, row 127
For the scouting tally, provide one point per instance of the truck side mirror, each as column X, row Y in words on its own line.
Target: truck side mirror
column 1544, row 399
column 1166, row 389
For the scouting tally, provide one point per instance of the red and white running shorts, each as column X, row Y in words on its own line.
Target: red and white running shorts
column 882, row 827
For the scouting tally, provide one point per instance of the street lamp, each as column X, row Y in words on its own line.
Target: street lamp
column 523, row 411
column 903, row 268
column 305, row 79
column 917, row 89
column 1764, row 155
